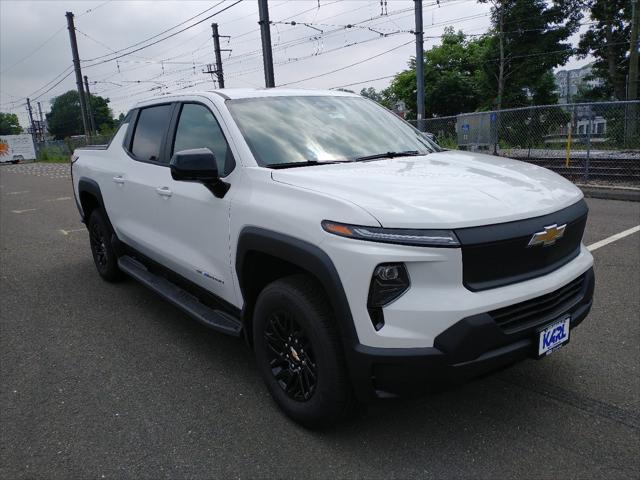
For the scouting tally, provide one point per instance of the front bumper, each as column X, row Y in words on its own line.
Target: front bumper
column 472, row 347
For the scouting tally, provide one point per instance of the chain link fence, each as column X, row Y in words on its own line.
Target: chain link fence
column 596, row 143
column 61, row 150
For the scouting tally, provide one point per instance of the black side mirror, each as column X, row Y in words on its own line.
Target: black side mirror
column 198, row 165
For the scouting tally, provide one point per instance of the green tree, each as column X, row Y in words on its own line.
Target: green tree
column 527, row 40
column 382, row 96
column 452, row 77
column 65, row 120
column 9, row 124
column 608, row 41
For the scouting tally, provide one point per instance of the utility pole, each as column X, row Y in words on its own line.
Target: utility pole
column 76, row 66
column 419, row 64
column 633, row 53
column 216, row 45
column 33, row 126
column 41, row 122
column 267, row 56
column 89, row 110
column 632, row 88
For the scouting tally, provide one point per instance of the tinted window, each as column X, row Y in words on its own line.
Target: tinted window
column 198, row 128
column 152, row 125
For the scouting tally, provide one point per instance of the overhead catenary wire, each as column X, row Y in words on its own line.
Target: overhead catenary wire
column 348, row 66
column 158, row 34
column 161, row 39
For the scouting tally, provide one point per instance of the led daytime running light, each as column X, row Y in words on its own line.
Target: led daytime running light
column 416, row 237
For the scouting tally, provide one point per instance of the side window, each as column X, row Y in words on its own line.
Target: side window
column 198, row 128
column 152, row 125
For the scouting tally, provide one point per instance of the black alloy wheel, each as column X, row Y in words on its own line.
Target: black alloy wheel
column 98, row 247
column 291, row 356
column 104, row 255
column 299, row 351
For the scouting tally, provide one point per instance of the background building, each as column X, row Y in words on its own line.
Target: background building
column 568, row 82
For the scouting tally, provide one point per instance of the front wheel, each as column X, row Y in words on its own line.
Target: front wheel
column 299, row 352
column 104, row 255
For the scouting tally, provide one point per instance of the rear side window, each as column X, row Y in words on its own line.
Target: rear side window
column 152, row 125
column 198, row 128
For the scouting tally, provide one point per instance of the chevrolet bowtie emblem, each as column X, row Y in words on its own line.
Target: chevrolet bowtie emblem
column 549, row 236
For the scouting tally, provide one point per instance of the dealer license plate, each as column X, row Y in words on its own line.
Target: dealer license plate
column 553, row 337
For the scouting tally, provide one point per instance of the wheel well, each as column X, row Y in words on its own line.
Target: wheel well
column 89, row 203
column 259, row 270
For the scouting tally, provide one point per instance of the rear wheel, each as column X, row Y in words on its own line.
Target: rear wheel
column 299, row 352
column 104, row 255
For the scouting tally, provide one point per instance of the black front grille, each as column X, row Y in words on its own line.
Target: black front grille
column 498, row 255
column 539, row 310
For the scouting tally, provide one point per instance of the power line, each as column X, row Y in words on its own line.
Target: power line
column 37, row 49
column 348, row 66
column 159, row 34
column 163, row 39
column 93, row 9
column 70, row 67
column 364, row 81
column 53, row 86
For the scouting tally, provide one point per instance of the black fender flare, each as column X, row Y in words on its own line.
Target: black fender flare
column 306, row 256
column 87, row 185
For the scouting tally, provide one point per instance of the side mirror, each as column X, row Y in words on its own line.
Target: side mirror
column 198, row 165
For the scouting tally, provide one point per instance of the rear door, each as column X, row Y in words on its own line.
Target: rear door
column 139, row 221
column 195, row 223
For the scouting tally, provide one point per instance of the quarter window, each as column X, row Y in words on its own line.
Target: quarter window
column 198, row 128
column 152, row 126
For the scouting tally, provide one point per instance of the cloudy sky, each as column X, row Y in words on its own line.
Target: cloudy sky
column 35, row 57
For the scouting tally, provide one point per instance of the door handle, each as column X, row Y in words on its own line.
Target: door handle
column 119, row 179
column 164, row 191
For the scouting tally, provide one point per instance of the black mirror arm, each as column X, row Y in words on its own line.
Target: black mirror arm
column 219, row 188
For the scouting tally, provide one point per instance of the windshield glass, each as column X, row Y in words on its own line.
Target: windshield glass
column 322, row 129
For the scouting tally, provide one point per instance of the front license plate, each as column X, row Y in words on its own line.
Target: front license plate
column 553, row 337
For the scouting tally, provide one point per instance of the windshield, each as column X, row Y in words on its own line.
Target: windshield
column 283, row 130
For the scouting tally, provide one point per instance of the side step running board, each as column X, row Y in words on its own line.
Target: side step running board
column 215, row 319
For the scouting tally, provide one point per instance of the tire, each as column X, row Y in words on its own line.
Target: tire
column 312, row 387
column 104, row 255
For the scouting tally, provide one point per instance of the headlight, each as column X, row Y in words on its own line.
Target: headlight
column 404, row 236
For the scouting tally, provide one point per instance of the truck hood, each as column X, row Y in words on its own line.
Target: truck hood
column 450, row 189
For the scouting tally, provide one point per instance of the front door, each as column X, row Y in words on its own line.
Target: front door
column 194, row 222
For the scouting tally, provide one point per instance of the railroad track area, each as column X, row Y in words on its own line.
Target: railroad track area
column 623, row 170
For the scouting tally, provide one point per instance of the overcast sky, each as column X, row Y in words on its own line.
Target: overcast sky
column 34, row 45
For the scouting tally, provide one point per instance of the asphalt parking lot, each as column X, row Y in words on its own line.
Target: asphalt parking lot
column 108, row 381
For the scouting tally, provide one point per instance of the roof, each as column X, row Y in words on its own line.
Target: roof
column 238, row 93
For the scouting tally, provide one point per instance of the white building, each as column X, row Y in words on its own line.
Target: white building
column 568, row 82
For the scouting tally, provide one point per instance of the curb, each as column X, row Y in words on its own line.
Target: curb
column 611, row 193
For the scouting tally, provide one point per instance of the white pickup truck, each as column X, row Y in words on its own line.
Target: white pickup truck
column 356, row 257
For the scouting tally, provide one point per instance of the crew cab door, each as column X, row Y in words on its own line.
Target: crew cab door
column 194, row 223
column 145, row 165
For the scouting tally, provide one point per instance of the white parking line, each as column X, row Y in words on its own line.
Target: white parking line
column 25, row 210
column 67, row 232
column 59, row 199
column 613, row 238
column 17, row 193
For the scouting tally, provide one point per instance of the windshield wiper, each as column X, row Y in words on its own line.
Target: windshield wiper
column 408, row 153
column 305, row 163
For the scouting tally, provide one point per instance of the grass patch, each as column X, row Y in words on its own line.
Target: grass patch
column 53, row 155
